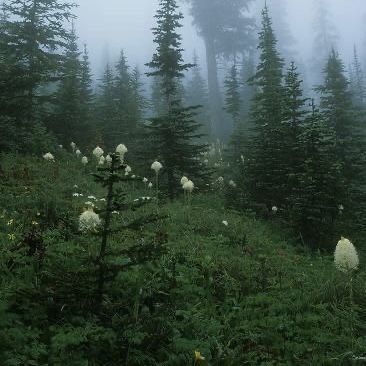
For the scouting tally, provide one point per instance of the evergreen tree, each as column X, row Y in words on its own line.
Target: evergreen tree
column 325, row 39
column 106, row 110
column 35, row 36
column 316, row 205
column 357, row 82
column 341, row 117
column 294, row 113
column 71, row 120
column 227, row 29
column 232, row 99
column 174, row 132
column 246, row 88
column 197, row 94
column 266, row 164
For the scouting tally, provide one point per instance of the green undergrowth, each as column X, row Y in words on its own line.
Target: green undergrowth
column 239, row 290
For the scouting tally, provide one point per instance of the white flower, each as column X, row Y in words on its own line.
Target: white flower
column 108, row 159
column 150, row 185
column 76, row 186
column 133, row 177
column 98, row 152
column 220, row 180
column 61, row 146
column 89, row 221
column 345, row 256
column 73, row 146
column 128, row 170
column 145, row 180
column 91, row 198
column 188, row 186
column 121, row 149
column 274, row 209
column 102, row 199
column 78, row 152
column 75, row 194
column 84, row 160
column 156, row 166
column 205, row 161
column 340, row 207
column 225, row 223
column 101, row 160
column 49, row 157
column 183, row 180
column 88, row 203
column 232, row 184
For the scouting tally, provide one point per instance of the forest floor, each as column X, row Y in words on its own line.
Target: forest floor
column 232, row 288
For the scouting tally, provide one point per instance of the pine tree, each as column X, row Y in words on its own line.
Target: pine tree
column 71, row 120
column 294, row 113
column 106, row 110
column 316, row 205
column 246, row 90
column 266, row 164
column 175, row 131
column 35, row 37
column 357, row 82
column 232, row 99
column 197, row 94
column 347, row 123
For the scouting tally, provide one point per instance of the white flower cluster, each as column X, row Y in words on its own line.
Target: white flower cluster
column 98, row 152
column 156, row 166
column 345, row 256
column 49, row 157
column 89, row 221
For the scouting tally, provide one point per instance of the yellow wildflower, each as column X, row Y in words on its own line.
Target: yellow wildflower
column 10, row 222
column 198, row 357
column 34, row 223
column 11, row 236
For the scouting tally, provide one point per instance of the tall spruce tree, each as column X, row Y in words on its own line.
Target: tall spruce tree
column 357, row 81
column 106, row 110
column 227, row 29
column 71, row 119
column 266, row 164
column 294, row 112
column 346, row 122
column 35, row 37
column 174, row 132
column 196, row 93
column 316, row 205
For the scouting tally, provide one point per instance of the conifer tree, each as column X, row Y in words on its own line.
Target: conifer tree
column 71, row 113
column 357, row 82
column 246, row 89
column 316, row 204
column 292, row 123
column 174, row 131
column 197, row 94
column 36, row 35
column 86, row 85
column 266, row 164
column 341, row 117
column 106, row 110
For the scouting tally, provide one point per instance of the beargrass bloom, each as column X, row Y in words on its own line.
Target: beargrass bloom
column 220, row 180
column 108, row 159
column 78, row 152
column 156, row 166
column 89, row 221
column 101, row 160
column 121, row 149
column 150, row 185
column 188, row 186
column 224, row 222
column 232, row 184
column 145, row 180
column 73, row 146
column 98, row 152
column 49, row 157
column 345, row 256
column 183, row 180
column 274, row 209
column 84, row 160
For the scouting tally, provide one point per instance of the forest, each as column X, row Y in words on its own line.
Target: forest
column 204, row 210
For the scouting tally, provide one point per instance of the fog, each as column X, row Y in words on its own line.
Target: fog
column 109, row 26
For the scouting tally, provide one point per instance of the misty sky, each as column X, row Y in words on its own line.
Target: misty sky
column 107, row 26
